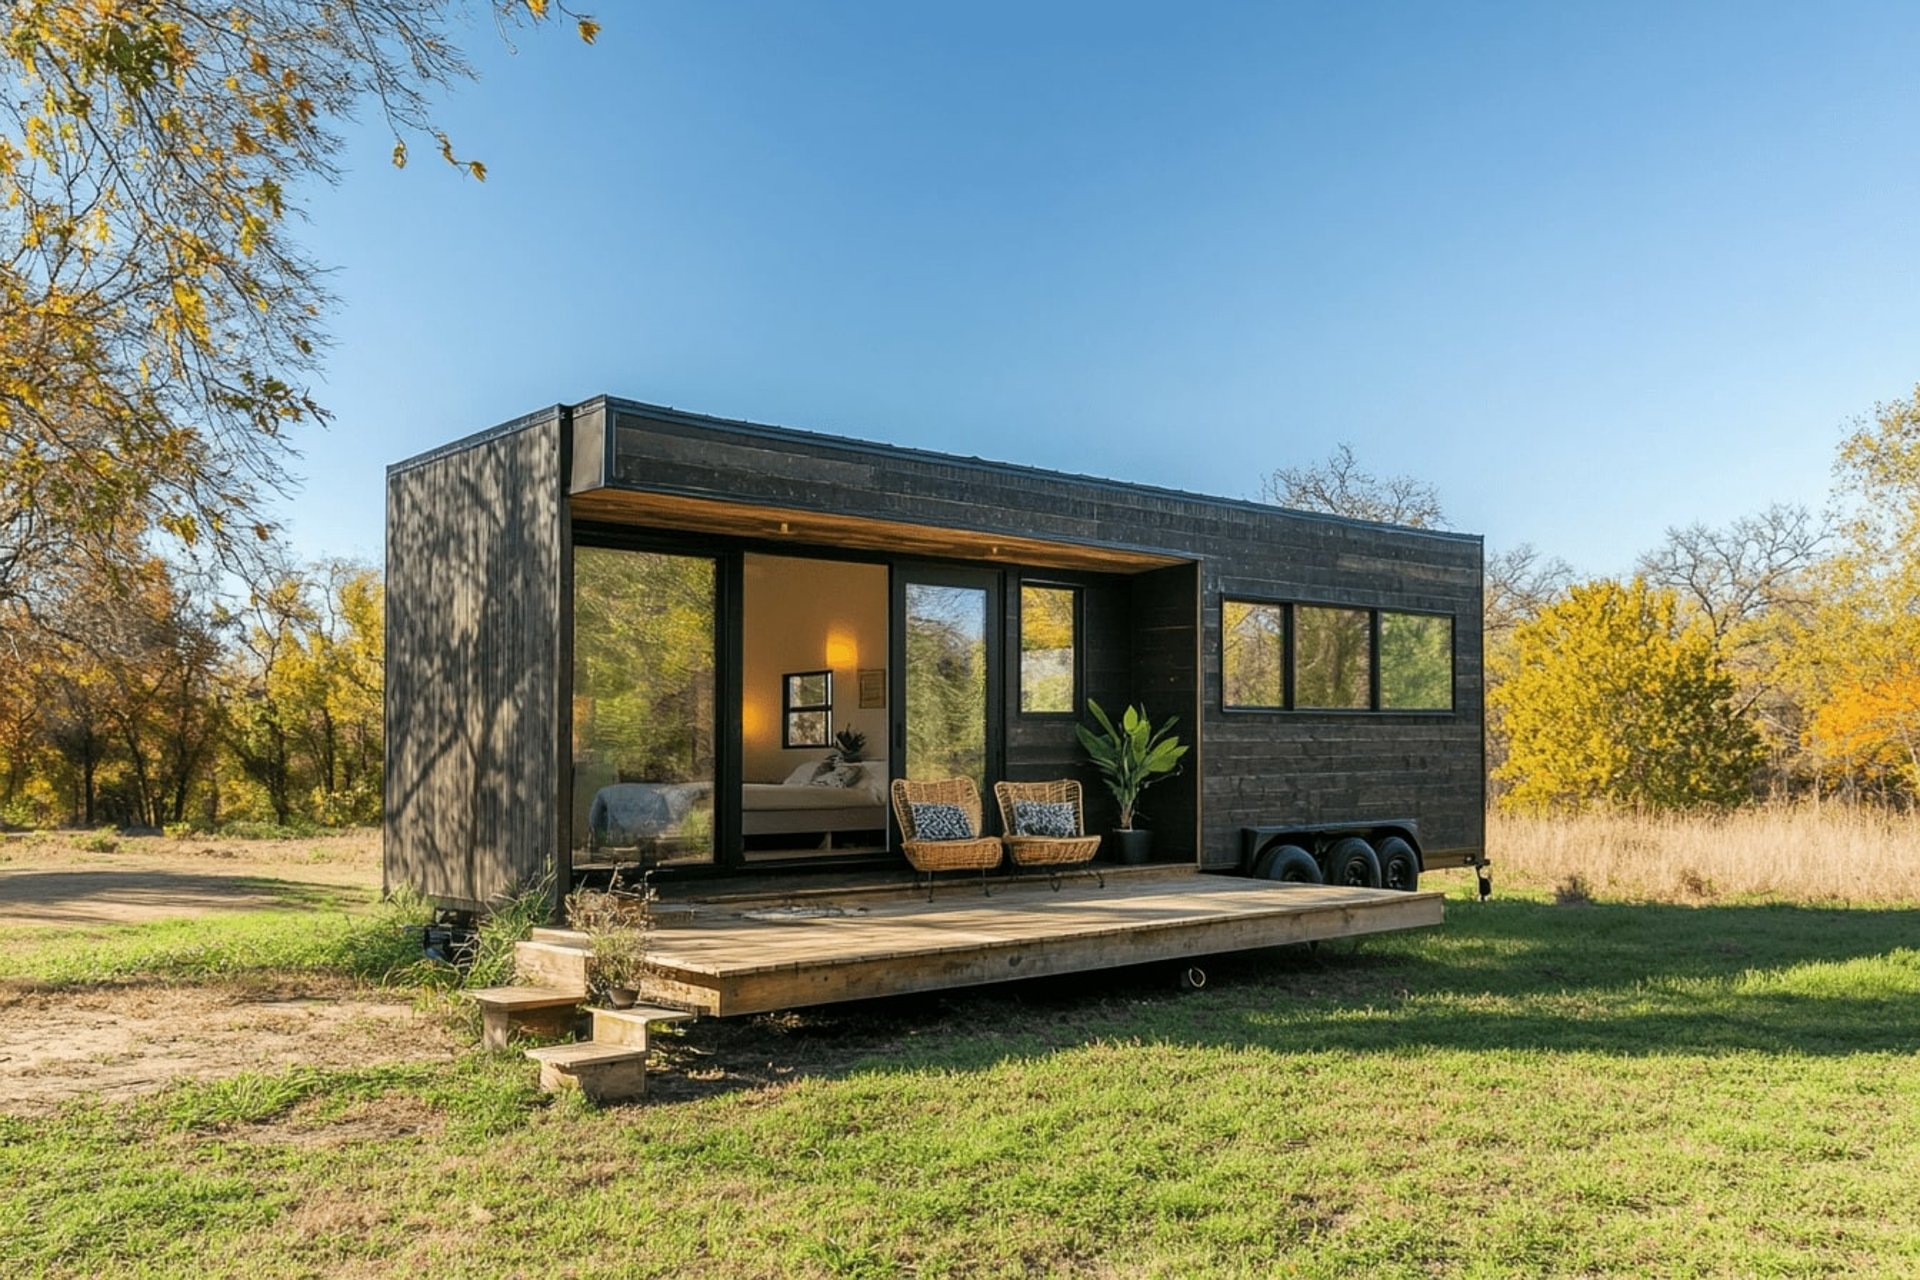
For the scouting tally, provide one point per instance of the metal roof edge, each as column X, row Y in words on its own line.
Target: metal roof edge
column 478, row 438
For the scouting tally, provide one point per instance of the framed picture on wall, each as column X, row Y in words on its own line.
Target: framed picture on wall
column 873, row 687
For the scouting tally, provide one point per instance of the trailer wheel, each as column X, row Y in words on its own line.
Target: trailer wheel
column 1399, row 865
column 1289, row 863
column 1352, row 862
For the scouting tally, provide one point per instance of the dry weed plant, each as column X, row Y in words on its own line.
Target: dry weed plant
column 1798, row 853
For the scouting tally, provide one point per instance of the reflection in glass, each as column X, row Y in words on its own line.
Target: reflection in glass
column 946, row 676
column 1251, row 648
column 1330, row 658
column 1046, row 649
column 1416, row 662
column 643, row 705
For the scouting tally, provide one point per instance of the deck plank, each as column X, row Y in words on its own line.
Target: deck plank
column 726, row 963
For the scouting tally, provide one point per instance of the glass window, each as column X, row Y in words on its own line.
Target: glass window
column 1252, row 654
column 1332, row 658
column 946, row 680
column 1416, row 662
column 643, row 705
column 1047, row 649
column 806, row 704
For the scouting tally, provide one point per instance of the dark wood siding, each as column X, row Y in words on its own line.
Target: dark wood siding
column 1254, row 768
column 475, row 570
column 1041, row 748
column 1164, row 636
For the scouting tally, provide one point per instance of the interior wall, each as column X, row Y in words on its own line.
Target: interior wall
column 808, row 615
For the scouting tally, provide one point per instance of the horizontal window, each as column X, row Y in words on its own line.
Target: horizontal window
column 1306, row 657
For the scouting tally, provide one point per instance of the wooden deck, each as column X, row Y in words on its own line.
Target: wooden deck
column 746, row 957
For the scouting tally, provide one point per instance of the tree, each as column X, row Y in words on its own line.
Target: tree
column 1339, row 487
column 1848, row 657
column 1615, row 700
column 1734, row 574
column 157, row 320
column 1517, row 584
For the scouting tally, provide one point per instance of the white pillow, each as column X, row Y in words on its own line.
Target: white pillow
column 804, row 774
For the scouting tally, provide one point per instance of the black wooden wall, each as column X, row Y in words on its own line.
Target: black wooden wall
column 476, row 549
column 1252, row 767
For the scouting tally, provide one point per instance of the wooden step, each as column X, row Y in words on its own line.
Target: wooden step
column 565, row 937
column 633, row 1027
column 542, row 1011
column 551, row 964
column 602, row 1072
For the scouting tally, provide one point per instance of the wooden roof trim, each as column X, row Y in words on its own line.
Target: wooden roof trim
column 704, row 513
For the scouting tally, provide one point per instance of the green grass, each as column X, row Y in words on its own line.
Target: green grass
column 1529, row 1090
column 368, row 944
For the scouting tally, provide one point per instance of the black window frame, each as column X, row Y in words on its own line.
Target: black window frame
column 1286, row 654
column 1374, row 614
column 1077, row 693
column 789, row 709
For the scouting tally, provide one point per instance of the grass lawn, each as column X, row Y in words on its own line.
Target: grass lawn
column 1530, row 1089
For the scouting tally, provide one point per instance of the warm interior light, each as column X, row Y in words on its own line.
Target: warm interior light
column 843, row 650
column 753, row 720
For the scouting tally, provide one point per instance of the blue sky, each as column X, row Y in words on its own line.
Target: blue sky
column 1591, row 270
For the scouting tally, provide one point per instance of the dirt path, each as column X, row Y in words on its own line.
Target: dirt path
column 120, row 1041
column 58, row 880
column 124, row 1041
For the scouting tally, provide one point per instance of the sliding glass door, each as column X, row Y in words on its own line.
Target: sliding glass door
column 947, row 683
column 644, row 700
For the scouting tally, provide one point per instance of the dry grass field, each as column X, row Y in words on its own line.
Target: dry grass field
column 1799, row 853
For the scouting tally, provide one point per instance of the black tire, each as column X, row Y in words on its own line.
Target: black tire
column 1352, row 862
column 1399, row 864
column 1289, row 863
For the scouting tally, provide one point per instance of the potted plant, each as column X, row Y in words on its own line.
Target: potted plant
column 1131, row 757
column 852, row 743
column 619, row 929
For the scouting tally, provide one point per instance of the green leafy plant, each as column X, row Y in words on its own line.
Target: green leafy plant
column 1132, row 755
column 853, row 744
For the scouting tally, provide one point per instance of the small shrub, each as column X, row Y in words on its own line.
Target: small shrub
column 1695, row 885
column 105, row 840
column 1572, row 892
column 619, row 927
column 498, row 931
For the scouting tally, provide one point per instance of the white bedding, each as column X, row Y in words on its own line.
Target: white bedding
column 762, row 796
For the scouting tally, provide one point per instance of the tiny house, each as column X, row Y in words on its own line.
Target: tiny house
column 620, row 634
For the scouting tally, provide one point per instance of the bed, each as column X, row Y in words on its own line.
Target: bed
column 818, row 798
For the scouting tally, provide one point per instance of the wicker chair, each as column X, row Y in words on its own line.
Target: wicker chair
column 982, row 853
column 1054, row 853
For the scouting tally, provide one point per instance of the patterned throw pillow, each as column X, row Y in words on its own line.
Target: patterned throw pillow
column 1037, row 818
column 940, row 822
